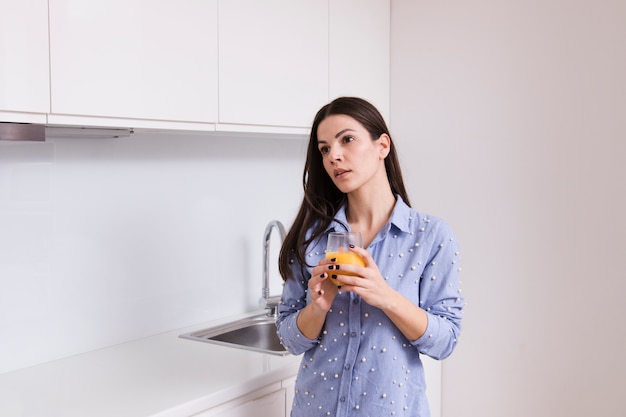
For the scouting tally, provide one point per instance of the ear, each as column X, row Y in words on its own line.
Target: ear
column 384, row 145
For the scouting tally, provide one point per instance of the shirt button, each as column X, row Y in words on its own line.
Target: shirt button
column 342, row 399
column 346, row 367
column 355, row 301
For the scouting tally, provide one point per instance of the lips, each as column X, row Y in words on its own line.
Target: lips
column 339, row 172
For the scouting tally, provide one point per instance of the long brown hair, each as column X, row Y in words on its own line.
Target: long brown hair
column 322, row 198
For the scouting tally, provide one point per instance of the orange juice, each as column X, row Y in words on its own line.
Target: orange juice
column 345, row 258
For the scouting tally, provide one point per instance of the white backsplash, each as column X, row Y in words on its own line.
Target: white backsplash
column 108, row 240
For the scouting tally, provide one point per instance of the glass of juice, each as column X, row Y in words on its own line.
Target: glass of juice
column 339, row 247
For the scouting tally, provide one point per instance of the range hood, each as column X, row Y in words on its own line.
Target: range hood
column 39, row 133
column 22, row 132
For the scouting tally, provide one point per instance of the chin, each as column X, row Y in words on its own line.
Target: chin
column 345, row 189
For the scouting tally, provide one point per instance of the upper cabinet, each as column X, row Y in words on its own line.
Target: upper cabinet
column 359, row 50
column 262, row 66
column 24, row 77
column 273, row 61
column 134, row 59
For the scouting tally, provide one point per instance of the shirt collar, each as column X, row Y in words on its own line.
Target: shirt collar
column 400, row 217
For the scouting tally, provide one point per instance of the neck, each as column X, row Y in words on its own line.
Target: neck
column 367, row 212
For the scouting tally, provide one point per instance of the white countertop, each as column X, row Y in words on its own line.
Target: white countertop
column 161, row 375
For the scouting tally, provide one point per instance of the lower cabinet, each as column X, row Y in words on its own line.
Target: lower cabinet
column 289, row 385
column 271, row 401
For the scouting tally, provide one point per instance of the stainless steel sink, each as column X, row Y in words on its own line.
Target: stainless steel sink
column 256, row 333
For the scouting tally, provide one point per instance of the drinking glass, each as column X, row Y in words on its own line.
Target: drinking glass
column 339, row 247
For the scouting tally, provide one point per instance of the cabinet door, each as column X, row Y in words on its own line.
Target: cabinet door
column 140, row 59
column 289, row 386
column 360, row 50
column 273, row 61
column 24, row 76
column 270, row 405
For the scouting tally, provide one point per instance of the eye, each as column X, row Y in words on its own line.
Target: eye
column 324, row 149
column 347, row 139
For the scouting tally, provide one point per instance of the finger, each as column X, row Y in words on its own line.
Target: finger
column 361, row 252
column 344, row 279
column 326, row 261
column 324, row 266
column 344, row 269
column 317, row 280
column 315, row 294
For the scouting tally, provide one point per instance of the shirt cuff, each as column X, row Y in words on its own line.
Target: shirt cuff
column 429, row 338
column 292, row 338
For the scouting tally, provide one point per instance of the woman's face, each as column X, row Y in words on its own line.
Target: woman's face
column 350, row 157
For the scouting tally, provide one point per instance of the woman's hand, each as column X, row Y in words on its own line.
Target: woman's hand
column 322, row 291
column 368, row 282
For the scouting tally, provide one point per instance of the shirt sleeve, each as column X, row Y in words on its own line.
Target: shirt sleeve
column 294, row 299
column 440, row 296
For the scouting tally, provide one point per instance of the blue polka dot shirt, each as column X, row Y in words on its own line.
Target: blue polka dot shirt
column 361, row 364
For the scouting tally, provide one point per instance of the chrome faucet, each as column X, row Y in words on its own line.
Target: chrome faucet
column 270, row 302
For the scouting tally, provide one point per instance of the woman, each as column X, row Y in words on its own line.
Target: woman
column 362, row 342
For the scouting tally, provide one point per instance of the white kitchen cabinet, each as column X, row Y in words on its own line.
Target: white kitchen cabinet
column 134, row 59
column 230, row 65
column 360, row 51
column 289, row 386
column 273, row 61
column 267, row 402
column 24, row 76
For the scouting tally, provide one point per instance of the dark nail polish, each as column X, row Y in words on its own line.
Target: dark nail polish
column 351, row 246
column 336, row 266
column 333, row 259
column 333, row 276
column 323, row 274
column 319, row 292
column 331, row 266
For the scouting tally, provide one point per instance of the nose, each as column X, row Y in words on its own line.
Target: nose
column 335, row 153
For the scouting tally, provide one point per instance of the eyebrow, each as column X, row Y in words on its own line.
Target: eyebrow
column 341, row 132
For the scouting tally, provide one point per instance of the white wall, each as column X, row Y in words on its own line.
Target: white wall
column 108, row 240
column 510, row 117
